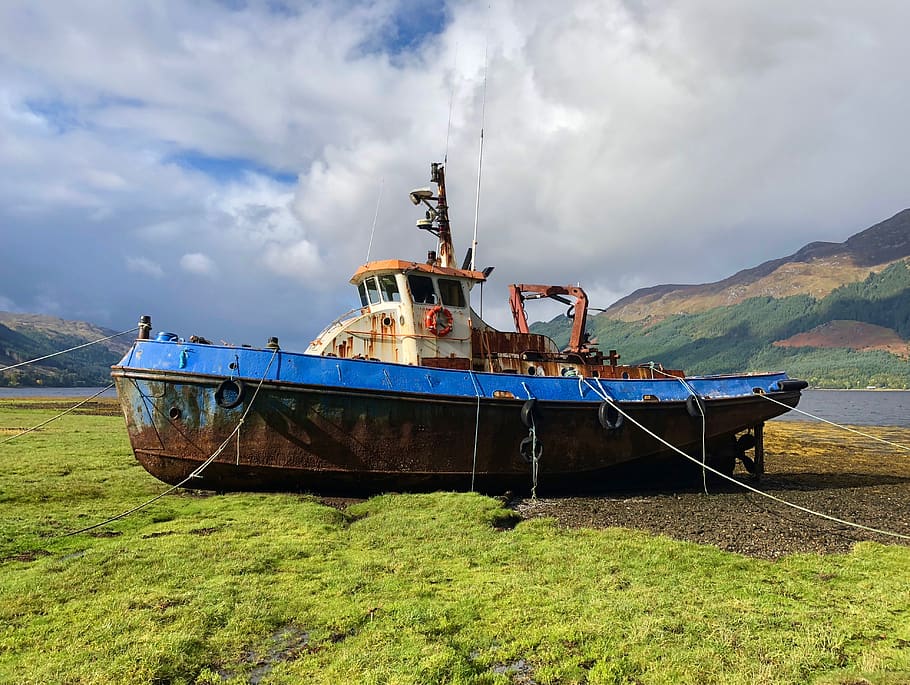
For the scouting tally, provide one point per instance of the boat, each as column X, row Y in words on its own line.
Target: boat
column 412, row 391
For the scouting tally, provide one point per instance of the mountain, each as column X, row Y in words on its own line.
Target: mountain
column 29, row 336
column 836, row 314
column 816, row 270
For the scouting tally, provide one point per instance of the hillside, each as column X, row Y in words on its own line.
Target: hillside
column 836, row 314
column 852, row 335
column 816, row 270
column 28, row 336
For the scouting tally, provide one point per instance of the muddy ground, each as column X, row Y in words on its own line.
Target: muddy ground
column 813, row 465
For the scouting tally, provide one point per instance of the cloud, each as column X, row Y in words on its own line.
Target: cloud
column 144, row 266
column 7, row 305
column 197, row 263
column 626, row 144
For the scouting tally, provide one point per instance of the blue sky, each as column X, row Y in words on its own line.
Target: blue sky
column 217, row 164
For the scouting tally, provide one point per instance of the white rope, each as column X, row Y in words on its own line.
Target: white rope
column 71, row 349
column 476, row 428
column 851, row 524
column 837, row 425
column 41, row 425
column 535, row 462
column 704, row 422
column 196, row 473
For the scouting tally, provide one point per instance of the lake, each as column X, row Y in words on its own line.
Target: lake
column 858, row 407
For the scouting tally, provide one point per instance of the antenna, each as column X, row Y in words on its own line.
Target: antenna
column 445, row 157
column 375, row 216
column 483, row 115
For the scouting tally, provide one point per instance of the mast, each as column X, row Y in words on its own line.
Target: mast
column 446, row 254
column 437, row 218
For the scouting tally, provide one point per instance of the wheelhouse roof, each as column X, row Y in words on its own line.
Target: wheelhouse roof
column 401, row 266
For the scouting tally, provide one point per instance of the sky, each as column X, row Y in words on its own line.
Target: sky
column 218, row 164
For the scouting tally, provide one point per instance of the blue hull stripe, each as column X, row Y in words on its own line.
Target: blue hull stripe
column 296, row 368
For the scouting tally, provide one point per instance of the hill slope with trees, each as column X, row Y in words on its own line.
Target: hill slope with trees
column 29, row 336
column 802, row 333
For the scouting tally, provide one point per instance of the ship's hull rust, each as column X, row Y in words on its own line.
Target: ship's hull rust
column 314, row 437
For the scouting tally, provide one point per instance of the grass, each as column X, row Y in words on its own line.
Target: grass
column 437, row 588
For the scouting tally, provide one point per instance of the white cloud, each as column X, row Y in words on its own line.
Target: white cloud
column 299, row 260
column 197, row 263
column 144, row 266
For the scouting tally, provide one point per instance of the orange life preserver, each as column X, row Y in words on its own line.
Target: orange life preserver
column 439, row 321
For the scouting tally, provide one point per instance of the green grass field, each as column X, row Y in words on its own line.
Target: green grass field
column 438, row 588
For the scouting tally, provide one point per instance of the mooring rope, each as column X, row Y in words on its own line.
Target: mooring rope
column 813, row 512
column 44, row 423
column 196, row 473
column 71, row 349
column 476, row 427
column 704, row 421
column 535, row 458
column 838, row 425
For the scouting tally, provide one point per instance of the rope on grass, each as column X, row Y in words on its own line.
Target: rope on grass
column 71, row 349
column 44, row 423
column 852, row 524
column 837, row 425
column 196, row 473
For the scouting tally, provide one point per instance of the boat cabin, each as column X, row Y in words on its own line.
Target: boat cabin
column 419, row 313
column 410, row 313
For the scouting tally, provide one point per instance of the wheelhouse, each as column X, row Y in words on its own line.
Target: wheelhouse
column 411, row 313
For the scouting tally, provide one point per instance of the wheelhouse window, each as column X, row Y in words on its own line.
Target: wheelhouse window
column 389, row 288
column 422, row 289
column 374, row 290
column 451, row 292
column 369, row 291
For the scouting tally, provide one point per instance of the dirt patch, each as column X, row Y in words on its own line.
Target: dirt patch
column 854, row 335
column 25, row 556
column 102, row 406
column 813, row 465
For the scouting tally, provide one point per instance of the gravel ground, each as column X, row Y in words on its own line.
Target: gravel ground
column 813, row 465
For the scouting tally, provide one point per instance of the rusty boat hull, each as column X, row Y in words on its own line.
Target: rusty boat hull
column 325, row 425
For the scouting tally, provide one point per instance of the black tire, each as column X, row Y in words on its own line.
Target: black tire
column 230, row 393
column 792, row 384
column 695, row 405
column 529, row 414
column 609, row 417
column 745, row 442
column 525, row 449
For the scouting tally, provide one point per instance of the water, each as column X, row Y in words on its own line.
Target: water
column 859, row 407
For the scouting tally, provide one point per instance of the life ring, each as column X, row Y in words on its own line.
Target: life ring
column 439, row 321
column 230, row 393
